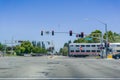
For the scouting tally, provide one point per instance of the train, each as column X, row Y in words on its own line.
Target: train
column 87, row 49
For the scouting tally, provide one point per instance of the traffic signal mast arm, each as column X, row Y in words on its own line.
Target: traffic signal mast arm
column 70, row 33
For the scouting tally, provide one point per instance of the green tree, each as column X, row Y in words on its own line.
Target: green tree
column 43, row 45
column 38, row 44
column 1, row 47
column 65, row 51
column 17, row 50
column 34, row 43
column 96, row 36
column 26, row 46
column 60, row 51
column 110, row 36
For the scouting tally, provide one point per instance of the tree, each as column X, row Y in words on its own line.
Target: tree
column 96, row 36
column 43, row 45
column 38, row 44
column 66, row 45
column 110, row 36
column 25, row 47
column 1, row 47
column 17, row 50
column 60, row 51
column 34, row 43
column 65, row 51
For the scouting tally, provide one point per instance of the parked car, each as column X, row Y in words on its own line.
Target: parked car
column 116, row 56
column 27, row 55
column 36, row 54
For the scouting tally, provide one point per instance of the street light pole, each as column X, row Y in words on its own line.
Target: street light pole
column 106, row 39
column 106, row 48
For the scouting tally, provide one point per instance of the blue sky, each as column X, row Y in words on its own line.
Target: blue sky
column 24, row 19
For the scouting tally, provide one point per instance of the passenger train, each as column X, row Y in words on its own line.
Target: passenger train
column 78, row 49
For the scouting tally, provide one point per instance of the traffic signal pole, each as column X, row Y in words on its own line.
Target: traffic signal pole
column 106, row 40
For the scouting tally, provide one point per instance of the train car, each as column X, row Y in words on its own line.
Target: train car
column 85, row 49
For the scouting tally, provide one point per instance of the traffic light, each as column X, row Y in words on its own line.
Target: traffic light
column 108, row 44
column 70, row 32
column 77, row 35
column 105, row 44
column 82, row 34
column 41, row 33
column 20, row 41
column 52, row 33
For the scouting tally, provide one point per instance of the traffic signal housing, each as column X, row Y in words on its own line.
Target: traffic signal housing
column 70, row 32
column 77, row 35
column 41, row 33
column 20, row 41
column 108, row 44
column 52, row 33
column 105, row 44
column 82, row 34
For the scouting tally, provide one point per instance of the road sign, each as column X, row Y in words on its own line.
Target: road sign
column 80, row 48
column 88, row 38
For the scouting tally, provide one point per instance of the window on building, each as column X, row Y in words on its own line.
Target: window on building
column 87, row 50
column 93, row 50
column 118, row 50
column 87, row 45
column 98, row 45
column 71, row 45
column 77, row 45
column 72, row 50
column 82, row 50
column 82, row 45
column 98, row 50
column 77, row 50
column 93, row 45
column 118, row 45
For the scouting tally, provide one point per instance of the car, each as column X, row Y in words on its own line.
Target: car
column 116, row 56
column 27, row 55
column 36, row 54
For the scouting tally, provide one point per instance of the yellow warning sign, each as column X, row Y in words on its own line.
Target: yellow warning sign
column 109, row 56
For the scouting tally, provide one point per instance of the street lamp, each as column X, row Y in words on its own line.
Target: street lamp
column 106, row 48
column 102, row 36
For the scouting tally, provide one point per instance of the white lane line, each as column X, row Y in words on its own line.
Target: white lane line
column 61, row 78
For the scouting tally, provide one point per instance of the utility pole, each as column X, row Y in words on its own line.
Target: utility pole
column 106, row 39
column 12, row 45
column 106, row 48
column 101, row 41
column 4, row 49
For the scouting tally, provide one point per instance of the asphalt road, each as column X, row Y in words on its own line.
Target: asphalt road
column 58, row 67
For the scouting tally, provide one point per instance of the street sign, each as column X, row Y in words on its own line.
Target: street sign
column 88, row 38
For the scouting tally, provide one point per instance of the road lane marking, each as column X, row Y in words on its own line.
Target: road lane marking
column 60, row 78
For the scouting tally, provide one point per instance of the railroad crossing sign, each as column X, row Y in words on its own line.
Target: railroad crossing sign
column 80, row 48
